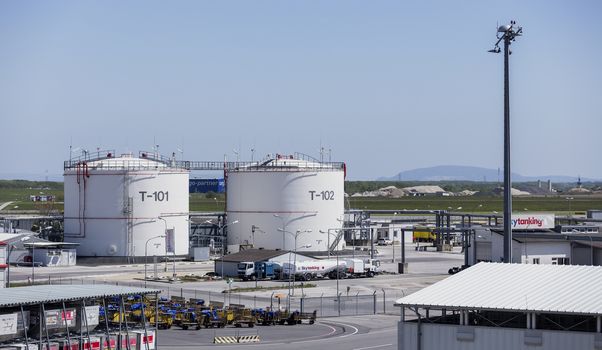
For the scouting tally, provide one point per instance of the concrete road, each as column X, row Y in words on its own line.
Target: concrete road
column 344, row 333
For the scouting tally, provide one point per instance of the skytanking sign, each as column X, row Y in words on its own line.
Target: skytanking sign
column 532, row 221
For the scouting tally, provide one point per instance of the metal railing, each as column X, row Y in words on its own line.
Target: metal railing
column 143, row 163
column 347, row 304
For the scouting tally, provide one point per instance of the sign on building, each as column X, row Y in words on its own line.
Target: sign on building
column 532, row 221
column 170, row 240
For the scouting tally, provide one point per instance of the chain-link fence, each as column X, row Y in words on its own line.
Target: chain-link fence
column 378, row 302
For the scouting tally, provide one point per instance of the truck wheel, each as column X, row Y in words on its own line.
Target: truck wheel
column 307, row 277
column 253, row 278
column 370, row 273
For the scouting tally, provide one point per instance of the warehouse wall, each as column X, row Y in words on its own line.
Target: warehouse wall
column 451, row 337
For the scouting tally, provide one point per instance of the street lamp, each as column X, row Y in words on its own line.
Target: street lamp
column 146, row 254
column 296, row 234
column 569, row 199
column 223, row 241
column 283, row 228
column 174, row 258
column 393, row 238
column 508, row 34
column 253, row 229
column 10, row 250
column 328, row 233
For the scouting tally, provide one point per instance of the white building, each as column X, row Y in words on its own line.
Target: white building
column 506, row 306
column 537, row 247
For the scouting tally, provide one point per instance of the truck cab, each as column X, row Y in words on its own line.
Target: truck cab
column 246, row 270
column 262, row 270
column 372, row 267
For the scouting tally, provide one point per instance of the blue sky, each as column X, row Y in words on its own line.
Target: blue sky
column 387, row 85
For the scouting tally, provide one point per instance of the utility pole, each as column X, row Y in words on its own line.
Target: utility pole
column 508, row 34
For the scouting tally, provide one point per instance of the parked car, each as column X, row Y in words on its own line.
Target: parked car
column 383, row 241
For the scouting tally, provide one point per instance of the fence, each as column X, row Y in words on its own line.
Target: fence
column 378, row 302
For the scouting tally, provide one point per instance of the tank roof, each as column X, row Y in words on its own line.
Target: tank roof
column 108, row 160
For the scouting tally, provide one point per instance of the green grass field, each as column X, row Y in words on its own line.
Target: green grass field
column 483, row 204
column 557, row 204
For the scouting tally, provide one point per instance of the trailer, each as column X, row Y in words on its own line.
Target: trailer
column 309, row 270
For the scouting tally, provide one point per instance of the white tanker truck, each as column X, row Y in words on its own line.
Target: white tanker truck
column 308, row 270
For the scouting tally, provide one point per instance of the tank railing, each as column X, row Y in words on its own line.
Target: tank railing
column 125, row 164
column 91, row 156
column 146, row 163
column 156, row 157
column 306, row 157
column 257, row 166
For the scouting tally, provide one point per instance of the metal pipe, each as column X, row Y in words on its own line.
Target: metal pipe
column 145, row 341
column 85, row 319
column 46, row 327
column 104, row 306
column 474, row 246
column 67, row 327
column 25, row 327
column 157, row 318
column 403, row 248
column 125, row 320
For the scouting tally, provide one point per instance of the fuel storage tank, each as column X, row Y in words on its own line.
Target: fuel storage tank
column 268, row 203
column 118, row 206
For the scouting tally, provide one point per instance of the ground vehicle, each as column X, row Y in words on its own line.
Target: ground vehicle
column 261, row 270
column 361, row 268
column 423, row 234
column 308, row 270
column 384, row 241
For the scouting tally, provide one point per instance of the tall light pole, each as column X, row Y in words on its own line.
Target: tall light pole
column 223, row 241
column 508, row 34
column 146, row 254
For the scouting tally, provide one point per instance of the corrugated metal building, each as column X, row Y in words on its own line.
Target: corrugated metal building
column 538, row 247
column 506, row 306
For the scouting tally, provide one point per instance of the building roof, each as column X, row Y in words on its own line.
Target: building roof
column 58, row 293
column 28, row 239
column 549, row 235
column 516, row 287
column 254, row 255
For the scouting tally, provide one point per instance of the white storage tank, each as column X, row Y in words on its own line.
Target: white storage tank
column 115, row 205
column 290, row 193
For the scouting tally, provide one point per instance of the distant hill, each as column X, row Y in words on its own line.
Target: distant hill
column 471, row 173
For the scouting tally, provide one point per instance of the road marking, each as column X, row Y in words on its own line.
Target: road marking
column 348, row 325
column 373, row 347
